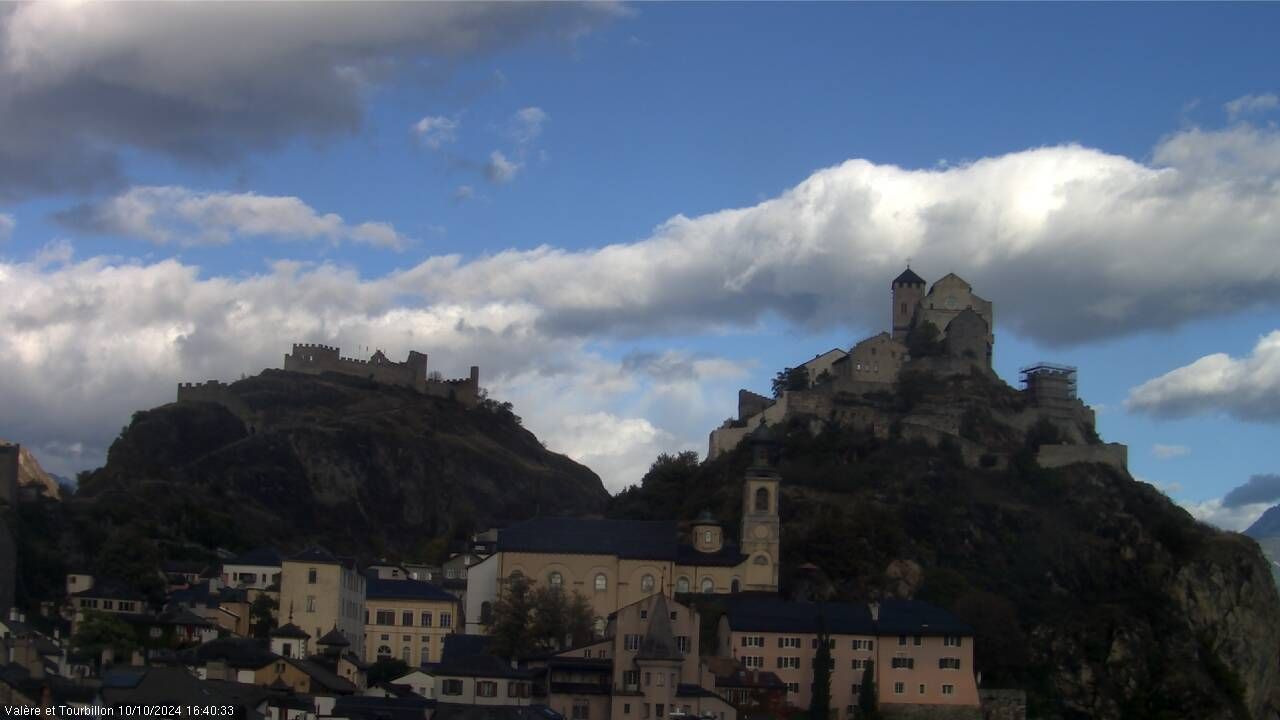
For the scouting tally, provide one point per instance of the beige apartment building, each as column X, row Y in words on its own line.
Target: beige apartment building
column 920, row 655
column 320, row 592
column 407, row 619
column 616, row 563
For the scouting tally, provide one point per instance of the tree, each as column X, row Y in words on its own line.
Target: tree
column 385, row 670
column 262, row 615
column 923, row 340
column 796, row 378
column 103, row 631
column 527, row 620
column 868, row 704
column 820, row 704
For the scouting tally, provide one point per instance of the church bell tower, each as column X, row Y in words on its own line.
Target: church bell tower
column 908, row 290
column 761, row 530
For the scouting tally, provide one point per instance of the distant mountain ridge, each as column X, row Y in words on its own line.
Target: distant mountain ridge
column 1267, row 525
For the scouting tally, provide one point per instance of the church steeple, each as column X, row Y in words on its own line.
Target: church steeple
column 761, row 529
column 908, row 289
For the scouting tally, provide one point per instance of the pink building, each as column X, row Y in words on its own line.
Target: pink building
column 918, row 654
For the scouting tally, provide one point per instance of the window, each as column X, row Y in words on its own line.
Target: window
column 311, row 576
column 662, row 680
column 426, row 619
column 761, row 560
column 646, row 583
column 856, row 688
column 311, row 603
column 555, row 579
column 486, row 688
column 903, row 663
column 793, row 687
column 406, row 618
column 406, row 638
column 789, row 662
column 860, row 663
column 106, row 605
column 385, row 637
column 707, row 585
column 753, row 641
column 862, row 644
column 383, row 652
column 682, row 585
column 948, row 689
column 753, row 661
column 644, row 614
column 598, row 627
column 451, row 687
column 602, row 582
column 951, row 641
column 581, row 710
column 921, row 688
column 648, row 679
column 631, row 642
column 949, row 663
column 657, row 710
column 631, row 678
column 899, row 688
column 682, row 643
column 762, row 500
column 902, row 641
column 446, row 620
column 626, row 708
column 405, row 654
column 706, row 537
column 917, row 640
column 644, row 711
column 385, row 617
column 735, row 586
column 288, row 649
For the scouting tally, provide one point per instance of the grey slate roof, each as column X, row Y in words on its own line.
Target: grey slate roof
column 633, row 539
column 378, row 589
column 263, row 556
column 316, row 554
column 289, row 630
column 908, row 277
column 334, row 638
column 235, row 652
column 458, row 646
column 452, row 711
column 768, row 613
column 110, row 588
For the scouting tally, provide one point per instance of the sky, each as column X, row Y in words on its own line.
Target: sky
column 624, row 213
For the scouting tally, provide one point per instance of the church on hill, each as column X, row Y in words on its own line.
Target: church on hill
column 615, row 563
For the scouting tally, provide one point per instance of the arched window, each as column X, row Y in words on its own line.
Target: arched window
column 383, row 652
column 555, row 579
column 706, row 537
column 405, row 654
column 646, row 584
column 598, row 626
column 515, row 575
column 735, row 586
column 486, row 612
column 602, row 582
column 682, row 585
column 707, row 585
column 762, row 500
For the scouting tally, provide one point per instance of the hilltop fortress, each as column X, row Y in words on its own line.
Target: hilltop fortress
column 950, row 329
column 320, row 359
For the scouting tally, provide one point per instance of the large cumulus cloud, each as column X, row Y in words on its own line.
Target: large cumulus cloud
column 206, row 82
column 1246, row 388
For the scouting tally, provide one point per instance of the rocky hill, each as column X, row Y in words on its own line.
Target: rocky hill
column 1092, row 591
column 31, row 474
column 291, row 459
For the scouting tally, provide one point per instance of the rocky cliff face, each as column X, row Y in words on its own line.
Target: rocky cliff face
column 30, row 474
column 359, row 467
column 1093, row 592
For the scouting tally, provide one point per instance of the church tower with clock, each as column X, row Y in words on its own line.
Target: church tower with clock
column 761, row 529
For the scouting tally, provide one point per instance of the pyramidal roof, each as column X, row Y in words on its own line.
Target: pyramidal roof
column 659, row 642
column 334, row 638
column 908, row 277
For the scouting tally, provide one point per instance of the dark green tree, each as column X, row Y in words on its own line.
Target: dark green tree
column 386, row 669
column 102, row 631
column 868, row 704
column 923, row 340
column 820, row 704
column 528, row 619
column 796, row 378
column 262, row 615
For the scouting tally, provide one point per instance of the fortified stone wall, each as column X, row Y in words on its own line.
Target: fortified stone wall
column 1114, row 454
column 317, row 359
column 220, row 393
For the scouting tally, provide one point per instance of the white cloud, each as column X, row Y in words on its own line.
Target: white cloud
column 464, row 192
column 527, row 124
column 499, row 169
column 1247, row 388
column 1252, row 104
column 1167, row 452
column 435, row 131
column 7, row 224
column 209, row 82
column 1236, row 518
column 164, row 215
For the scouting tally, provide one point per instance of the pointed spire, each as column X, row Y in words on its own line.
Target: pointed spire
column 659, row 642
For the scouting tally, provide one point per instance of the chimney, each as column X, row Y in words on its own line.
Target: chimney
column 875, row 611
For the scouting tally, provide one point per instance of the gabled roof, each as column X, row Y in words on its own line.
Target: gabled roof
column 633, row 539
column 379, row 589
column 315, row 554
column 327, row 680
column 908, row 277
column 659, row 642
column 262, row 556
column 913, row 617
column 334, row 638
column 111, row 588
column 768, row 613
column 289, row 630
column 482, row 666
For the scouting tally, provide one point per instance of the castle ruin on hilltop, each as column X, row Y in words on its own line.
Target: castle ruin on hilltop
column 319, row 359
column 955, row 327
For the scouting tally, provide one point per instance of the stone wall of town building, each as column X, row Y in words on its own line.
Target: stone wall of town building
column 1003, row 704
column 418, row 642
column 335, row 599
column 1115, row 455
column 878, row 359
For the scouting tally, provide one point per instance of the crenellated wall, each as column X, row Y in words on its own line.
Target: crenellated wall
column 316, row 359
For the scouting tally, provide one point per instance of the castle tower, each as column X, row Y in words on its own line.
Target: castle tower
column 761, row 530
column 908, row 289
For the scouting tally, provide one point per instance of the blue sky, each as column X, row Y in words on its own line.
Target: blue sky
column 1047, row 153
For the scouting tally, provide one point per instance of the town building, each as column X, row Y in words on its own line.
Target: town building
column 321, row 591
column 616, row 563
column 917, row 654
column 257, row 569
column 407, row 619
